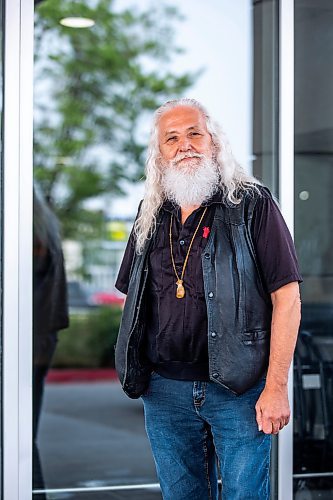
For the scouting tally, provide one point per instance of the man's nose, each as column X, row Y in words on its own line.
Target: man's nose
column 185, row 144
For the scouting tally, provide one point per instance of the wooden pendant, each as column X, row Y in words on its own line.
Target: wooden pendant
column 180, row 290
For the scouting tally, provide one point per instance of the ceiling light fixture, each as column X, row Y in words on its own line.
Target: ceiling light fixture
column 77, row 22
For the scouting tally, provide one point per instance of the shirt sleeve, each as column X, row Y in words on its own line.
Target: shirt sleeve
column 273, row 243
column 123, row 277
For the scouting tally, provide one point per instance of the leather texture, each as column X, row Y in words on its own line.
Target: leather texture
column 239, row 308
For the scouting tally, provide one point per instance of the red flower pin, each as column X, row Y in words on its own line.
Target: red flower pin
column 206, row 231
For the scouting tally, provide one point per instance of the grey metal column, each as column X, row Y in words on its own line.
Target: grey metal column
column 286, row 190
column 17, row 237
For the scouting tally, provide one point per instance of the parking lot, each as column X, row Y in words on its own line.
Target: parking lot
column 92, row 436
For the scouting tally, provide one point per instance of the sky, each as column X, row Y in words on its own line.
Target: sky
column 218, row 37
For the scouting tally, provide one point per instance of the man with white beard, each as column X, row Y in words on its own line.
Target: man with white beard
column 212, row 312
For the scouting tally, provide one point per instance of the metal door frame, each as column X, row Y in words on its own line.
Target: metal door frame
column 286, row 191
column 17, row 249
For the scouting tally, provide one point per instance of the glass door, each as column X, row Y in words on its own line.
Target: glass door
column 313, row 367
column 101, row 68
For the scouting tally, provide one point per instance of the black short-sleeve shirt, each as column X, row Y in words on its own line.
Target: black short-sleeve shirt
column 176, row 340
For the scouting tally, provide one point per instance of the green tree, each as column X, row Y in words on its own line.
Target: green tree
column 93, row 90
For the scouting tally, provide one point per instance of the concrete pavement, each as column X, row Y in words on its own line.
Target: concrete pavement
column 92, row 435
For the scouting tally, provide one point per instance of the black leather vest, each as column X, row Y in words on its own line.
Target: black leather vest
column 238, row 306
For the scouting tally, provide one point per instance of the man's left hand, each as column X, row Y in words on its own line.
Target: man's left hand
column 272, row 409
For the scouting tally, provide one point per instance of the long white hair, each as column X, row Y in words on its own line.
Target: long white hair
column 233, row 179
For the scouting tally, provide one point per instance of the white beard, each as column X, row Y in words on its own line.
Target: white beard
column 192, row 183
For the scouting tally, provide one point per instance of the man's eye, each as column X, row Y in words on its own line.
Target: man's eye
column 172, row 139
column 194, row 133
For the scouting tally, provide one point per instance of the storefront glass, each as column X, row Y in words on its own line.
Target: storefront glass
column 95, row 89
column 313, row 367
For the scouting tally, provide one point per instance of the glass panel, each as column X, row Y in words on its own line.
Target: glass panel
column 313, row 444
column 265, row 90
column 95, row 90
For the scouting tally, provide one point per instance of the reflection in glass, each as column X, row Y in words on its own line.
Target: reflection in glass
column 313, row 367
column 50, row 310
column 94, row 89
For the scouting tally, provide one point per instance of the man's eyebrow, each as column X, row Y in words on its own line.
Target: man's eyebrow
column 193, row 127
column 171, row 132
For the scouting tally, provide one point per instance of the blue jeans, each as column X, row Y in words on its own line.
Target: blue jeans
column 189, row 424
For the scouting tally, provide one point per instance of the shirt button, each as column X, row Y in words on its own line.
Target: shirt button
column 182, row 242
column 213, row 334
column 210, row 295
column 207, row 256
column 215, row 375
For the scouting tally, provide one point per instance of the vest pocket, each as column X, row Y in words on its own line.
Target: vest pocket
column 255, row 336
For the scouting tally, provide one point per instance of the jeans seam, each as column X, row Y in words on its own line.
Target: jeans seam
column 205, row 450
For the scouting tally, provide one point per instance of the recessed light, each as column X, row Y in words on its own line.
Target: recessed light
column 304, row 195
column 77, row 22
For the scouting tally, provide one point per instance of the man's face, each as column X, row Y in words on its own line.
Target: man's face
column 189, row 171
column 182, row 134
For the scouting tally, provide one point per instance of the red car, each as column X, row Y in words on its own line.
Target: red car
column 107, row 299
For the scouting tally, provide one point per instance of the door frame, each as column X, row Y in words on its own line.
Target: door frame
column 17, row 248
column 286, row 196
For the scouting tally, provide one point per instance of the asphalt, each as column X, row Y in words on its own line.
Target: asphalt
column 91, row 436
